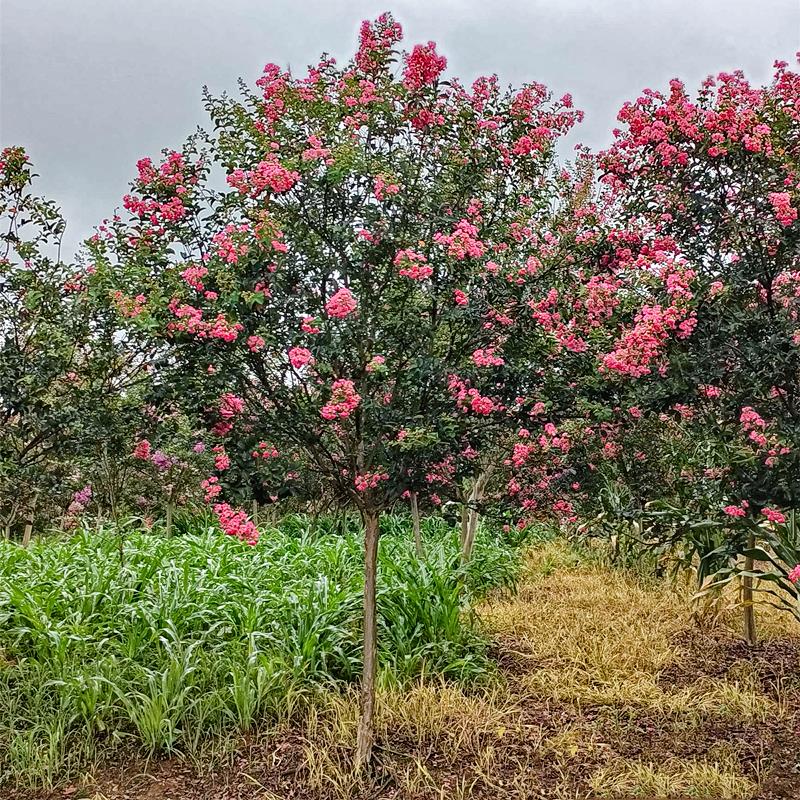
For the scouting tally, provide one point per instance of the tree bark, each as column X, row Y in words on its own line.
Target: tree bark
column 169, row 519
column 416, row 524
column 464, row 523
column 28, row 532
column 475, row 497
column 748, row 609
column 26, row 535
column 366, row 724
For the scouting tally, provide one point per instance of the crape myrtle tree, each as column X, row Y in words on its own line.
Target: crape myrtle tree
column 45, row 356
column 352, row 292
column 717, row 176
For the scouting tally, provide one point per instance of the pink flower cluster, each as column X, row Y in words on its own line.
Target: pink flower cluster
column 794, row 574
column 773, row 516
column 423, row 66
column 236, row 523
column 781, row 204
column 154, row 211
column 643, row 344
column 193, row 275
column 265, row 450
column 375, row 364
column 341, row 304
column 190, row 320
column 487, row 358
column 737, row 511
column 315, row 151
column 129, row 306
column 268, row 175
column 211, row 488
column 230, row 405
column 376, row 41
column 463, row 242
column 228, row 248
column 369, row 480
column 383, row 188
column 344, row 400
column 142, row 450
column 299, row 357
column 413, row 265
column 255, row 343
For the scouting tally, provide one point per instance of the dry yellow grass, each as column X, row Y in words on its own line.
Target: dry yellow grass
column 696, row 779
column 583, row 637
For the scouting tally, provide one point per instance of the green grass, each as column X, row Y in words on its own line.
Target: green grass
column 199, row 637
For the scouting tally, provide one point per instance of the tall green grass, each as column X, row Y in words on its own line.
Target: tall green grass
column 199, row 636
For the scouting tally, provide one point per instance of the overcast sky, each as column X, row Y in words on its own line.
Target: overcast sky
column 90, row 86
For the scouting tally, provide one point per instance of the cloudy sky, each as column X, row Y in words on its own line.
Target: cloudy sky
column 89, row 86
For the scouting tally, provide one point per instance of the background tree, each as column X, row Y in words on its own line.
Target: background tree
column 716, row 177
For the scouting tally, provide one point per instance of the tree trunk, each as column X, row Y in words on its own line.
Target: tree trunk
column 366, row 724
column 416, row 525
column 26, row 535
column 254, row 513
column 475, row 497
column 464, row 523
column 748, row 609
column 169, row 520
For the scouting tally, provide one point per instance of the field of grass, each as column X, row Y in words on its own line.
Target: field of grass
column 179, row 644
column 203, row 669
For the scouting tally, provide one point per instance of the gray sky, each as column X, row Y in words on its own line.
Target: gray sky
column 90, row 86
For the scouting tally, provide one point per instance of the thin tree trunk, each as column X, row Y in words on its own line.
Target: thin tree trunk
column 366, row 724
column 475, row 497
column 464, row 523
column 416, row 525
column 169, row 519
column 26, row 535
column 254, row 513
column 748, row 609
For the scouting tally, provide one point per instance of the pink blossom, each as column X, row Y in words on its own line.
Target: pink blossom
column 423, row 66
column 375, row 363
column 383, row 188
column 299, row 357
column 142, row 450
column 773, row 516
column 236, row 523
column 255, row 343
column 781, row 203
column 230, row 405
column 344, row 400
column 794, row 574
column 341, row 304
column 369, row 480
column 487, row 358
column 412, row 265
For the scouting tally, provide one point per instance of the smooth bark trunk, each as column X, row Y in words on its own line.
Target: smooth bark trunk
column 366, row 724
column 26, row 534
column 416, row 525
column 748, row 609
column 473, row 515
